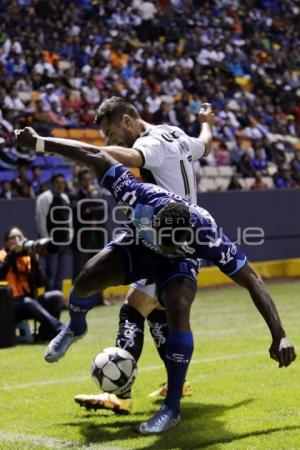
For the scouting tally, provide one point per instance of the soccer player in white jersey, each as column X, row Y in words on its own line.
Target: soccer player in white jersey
column 165, row 156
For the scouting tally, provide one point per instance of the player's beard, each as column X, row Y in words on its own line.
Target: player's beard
column 128, row 138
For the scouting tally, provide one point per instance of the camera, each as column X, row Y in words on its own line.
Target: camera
column 40, row 246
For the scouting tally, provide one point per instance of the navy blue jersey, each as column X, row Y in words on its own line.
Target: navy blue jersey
column 143, row 201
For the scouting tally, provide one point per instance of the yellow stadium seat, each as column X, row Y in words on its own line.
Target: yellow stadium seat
column 246, row 143
column 91, row 134
column 216, row 144
column 76, row 133
column 35, row 95
column 244, row 82
column 60, row 133
column 98, row 142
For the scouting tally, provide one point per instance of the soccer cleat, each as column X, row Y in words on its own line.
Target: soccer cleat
column 105, row 401
column 162, row 391
column 60, row 344
column 162, row 421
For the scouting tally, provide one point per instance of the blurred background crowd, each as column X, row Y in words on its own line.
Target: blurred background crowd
column 60, row 59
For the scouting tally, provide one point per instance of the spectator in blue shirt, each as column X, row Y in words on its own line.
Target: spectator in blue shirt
column 259, row 162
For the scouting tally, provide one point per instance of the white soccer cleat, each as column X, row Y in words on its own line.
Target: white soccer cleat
column 61, row 343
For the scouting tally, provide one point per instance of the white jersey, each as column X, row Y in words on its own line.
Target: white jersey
column 168, row 154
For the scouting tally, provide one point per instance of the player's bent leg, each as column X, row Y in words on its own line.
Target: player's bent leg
column 105, row 269
column 177, row 297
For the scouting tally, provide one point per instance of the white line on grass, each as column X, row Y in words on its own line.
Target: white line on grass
column 9, row 387
column 48, row 442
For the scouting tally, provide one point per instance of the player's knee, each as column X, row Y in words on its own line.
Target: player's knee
column 82, row 290
column 178, row 313
column 82, row 287
column 178, row 296
column 181, row 305
column 86, row 281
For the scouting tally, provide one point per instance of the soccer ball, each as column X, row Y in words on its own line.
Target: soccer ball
column 114, row 370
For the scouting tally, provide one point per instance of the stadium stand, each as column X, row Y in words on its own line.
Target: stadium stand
column 241, row 56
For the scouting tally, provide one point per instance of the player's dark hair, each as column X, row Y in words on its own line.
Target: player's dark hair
column 174, row 216
column 113, row 108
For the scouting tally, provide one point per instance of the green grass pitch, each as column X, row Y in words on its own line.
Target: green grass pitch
column 241, row 400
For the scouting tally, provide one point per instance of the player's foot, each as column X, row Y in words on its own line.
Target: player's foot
column 105, row 401
column 60, row 344
column 162, row 391
column 162, row 421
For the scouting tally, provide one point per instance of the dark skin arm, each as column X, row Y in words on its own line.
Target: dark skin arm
column 100, row 161
column 281, row 350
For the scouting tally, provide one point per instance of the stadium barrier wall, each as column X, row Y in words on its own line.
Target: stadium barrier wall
column 244, row 216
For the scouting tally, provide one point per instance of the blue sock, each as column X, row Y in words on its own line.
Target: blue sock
column 78, row 309
column 179, row 350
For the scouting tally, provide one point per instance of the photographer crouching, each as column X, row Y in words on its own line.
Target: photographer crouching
column 19, row 267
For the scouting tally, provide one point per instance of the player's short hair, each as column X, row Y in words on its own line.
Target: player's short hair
column 113, row 108
column 174, row 216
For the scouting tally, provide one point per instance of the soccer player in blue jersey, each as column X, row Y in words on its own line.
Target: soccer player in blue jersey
column 164, row 155
column 166, row 237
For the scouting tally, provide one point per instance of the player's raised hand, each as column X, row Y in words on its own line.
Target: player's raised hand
column 283, row 352
column 26, row 137
column 206, row 114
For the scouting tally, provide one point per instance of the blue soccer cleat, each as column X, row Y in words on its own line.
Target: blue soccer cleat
column 162, row 421
column 60, row 344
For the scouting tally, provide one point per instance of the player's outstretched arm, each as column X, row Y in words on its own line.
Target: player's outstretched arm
column 127, row 156
column 100, row 161
column 207, row 120
column 281, row 350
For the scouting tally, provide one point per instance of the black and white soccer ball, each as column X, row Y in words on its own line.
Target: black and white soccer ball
column 114, row 370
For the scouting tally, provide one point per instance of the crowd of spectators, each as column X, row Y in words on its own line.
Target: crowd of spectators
column 165, row 56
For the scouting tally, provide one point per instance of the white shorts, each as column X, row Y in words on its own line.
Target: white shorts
column 148, row 289
column 143, row 297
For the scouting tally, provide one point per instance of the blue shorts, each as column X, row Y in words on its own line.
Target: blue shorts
column 142, row 263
